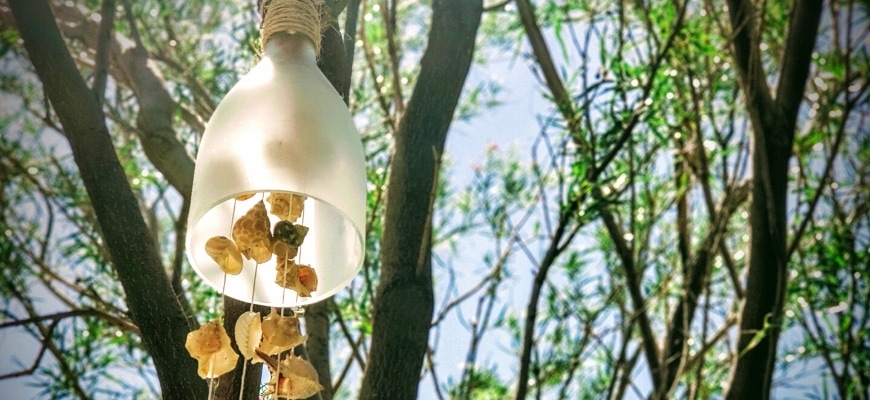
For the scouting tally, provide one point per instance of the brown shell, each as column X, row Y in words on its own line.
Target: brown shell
column 253, row 235
column 300, row 278
column 287, row 206
column 280, row 333
column 243, row 197
column 225, row 253
column 210, row 346
column 283, row 251
column 296, row 378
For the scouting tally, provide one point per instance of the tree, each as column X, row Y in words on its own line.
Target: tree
column 645, row 224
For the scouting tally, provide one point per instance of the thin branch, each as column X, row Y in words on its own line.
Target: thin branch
column 563, row 100
column 84, row 312
column 48, row 343
column 827, row 176
column 38, row 360
column 101, row 62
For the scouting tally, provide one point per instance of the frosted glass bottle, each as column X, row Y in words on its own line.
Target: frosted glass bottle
column 281, row 128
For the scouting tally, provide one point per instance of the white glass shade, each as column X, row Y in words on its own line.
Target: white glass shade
column 281, row 128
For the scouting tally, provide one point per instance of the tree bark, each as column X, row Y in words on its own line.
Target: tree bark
column 152, row 302
column 773, row 130
column 230, row 384
column 403, row 304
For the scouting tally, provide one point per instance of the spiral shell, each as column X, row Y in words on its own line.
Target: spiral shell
column 210, row 346
column 290, row 233
column 300, row 278
column 293, row 378
column 287, row 206
column 248, row 333
column 280, row 333
column 225, row 253
column 253, row 235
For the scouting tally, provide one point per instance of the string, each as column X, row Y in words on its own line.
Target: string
column 250, row 309
column 307, row 17
column 212, row 381
column 297, row 311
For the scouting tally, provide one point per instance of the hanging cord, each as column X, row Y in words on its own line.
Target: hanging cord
column 212, row 382
column 245, row 362
column 306, row 17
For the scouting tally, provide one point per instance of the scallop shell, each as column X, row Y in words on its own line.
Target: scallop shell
column 210, row 346
column 253, row 235
column 225, row 253
column 248, row 333
column 280, row 333
column 287, row 206
column 293, row 378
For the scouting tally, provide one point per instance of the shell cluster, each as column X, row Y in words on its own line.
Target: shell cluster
column 260, row 339
column 254, row 238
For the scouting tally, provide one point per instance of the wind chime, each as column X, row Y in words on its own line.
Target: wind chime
column 278, row 202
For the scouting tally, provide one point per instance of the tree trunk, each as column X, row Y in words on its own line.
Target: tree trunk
column 402, row 308
column 773, row 128
column 149, row 295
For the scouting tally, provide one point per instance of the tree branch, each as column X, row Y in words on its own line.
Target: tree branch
column 101, row 62
column 563, row 100
column 156, row 107
column 773, row 128
column 674, row 354
column 133, row 253
column 403, row 305
column 795, row 64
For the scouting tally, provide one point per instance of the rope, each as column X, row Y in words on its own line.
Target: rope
column 306, row 17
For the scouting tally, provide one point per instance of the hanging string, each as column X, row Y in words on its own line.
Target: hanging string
column 212, row 381
column 306, row 17
column 250, row 309
column 298, row 310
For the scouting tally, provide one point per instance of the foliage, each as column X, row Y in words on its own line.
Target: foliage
column 562, row 256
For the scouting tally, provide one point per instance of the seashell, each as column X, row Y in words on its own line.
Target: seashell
column 261, row 253
column 283, row 250
column 292, row 378
column 300, row 278
column 225, row 253
column 243, row 197
column 210, row 346
column 252, row 234
column 307, row 278
column 280, row 333
column 287, row 206
column 248, row 333
column 289, row 233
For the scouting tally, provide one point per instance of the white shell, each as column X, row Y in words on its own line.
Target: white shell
column 249, row 331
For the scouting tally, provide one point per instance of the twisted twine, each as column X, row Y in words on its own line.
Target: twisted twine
column 306, row 17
